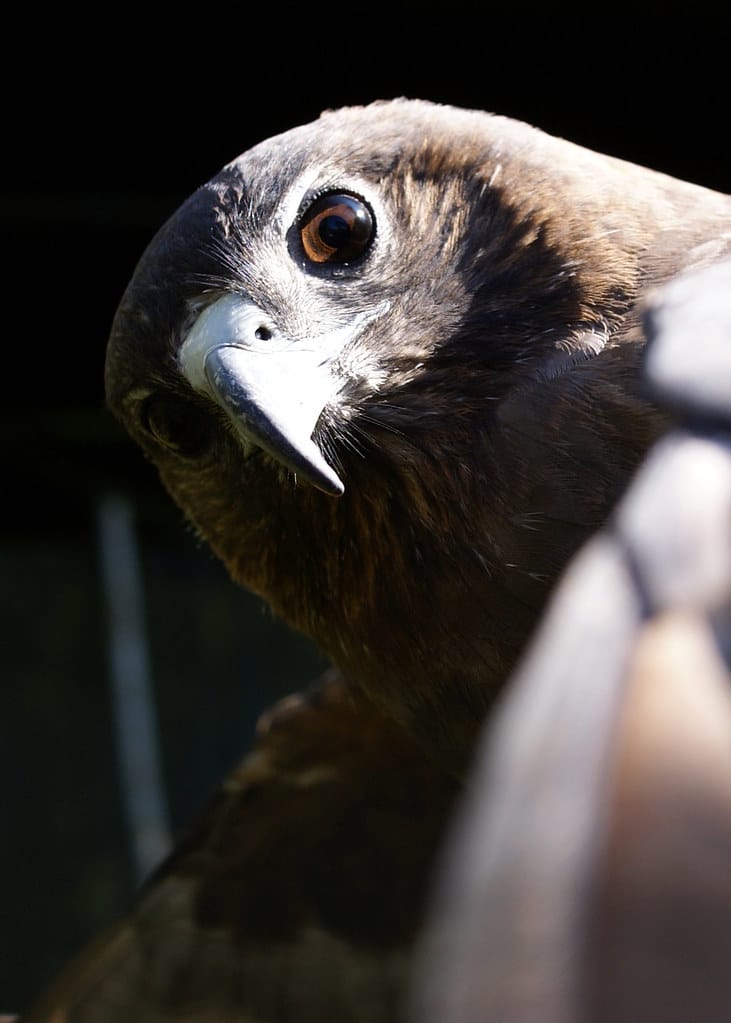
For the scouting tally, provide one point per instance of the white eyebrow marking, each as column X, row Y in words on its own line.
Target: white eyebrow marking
column 323, row 179
column 289, row 205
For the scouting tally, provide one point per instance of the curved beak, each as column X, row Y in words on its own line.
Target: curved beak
column 266, row 398
column 273, row 388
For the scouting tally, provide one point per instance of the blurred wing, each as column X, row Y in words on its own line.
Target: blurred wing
column 589, row 876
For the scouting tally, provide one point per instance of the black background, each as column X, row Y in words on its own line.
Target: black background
column 108, row 124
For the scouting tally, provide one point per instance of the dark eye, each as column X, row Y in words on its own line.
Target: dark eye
column 177, row 425
column 337, row 228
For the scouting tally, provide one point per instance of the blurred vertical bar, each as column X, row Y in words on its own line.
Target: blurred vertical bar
column 132, row 692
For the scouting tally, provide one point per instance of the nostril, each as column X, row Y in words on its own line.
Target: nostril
column 262, row 334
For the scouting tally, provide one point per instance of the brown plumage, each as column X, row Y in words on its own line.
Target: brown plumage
column 472, row 382
column 296, row 896
column 387, row 364
column 589, row 874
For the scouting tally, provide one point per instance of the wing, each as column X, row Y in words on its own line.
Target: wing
column 298, row 894
column 590, row 877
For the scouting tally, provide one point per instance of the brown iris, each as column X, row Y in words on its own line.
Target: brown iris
column 337, row 228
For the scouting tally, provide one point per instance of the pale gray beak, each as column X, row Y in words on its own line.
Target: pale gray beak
column 272, row 387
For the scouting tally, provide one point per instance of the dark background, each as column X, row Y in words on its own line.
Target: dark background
column 107, row 127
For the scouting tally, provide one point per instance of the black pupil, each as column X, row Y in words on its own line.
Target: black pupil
column 334, row 231
column 336, row 228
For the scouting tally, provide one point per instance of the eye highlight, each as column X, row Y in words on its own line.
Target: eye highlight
column 336, row 228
